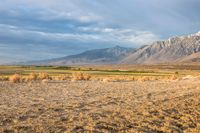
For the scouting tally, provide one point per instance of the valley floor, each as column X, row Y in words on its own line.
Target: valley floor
column 93, row 106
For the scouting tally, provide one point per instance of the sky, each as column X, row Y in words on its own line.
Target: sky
column 44, row 29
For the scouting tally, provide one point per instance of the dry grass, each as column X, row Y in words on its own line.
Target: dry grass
column 33, row 77
column 15, row 78
column 116, row 78
column 173, row 77
column 135, row 107
column 42, row 76
column 80, row 76
column 4, row 78
column 106, row 80
column 134, row 78
column 61, row 77
column 143, row 79
column 87, row 77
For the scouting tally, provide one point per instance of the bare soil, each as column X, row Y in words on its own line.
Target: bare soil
column 93, row 106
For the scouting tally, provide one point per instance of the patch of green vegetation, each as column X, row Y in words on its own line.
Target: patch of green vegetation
column 120, row 71
column 56, row 70
column 62, row 68
column 128, row 74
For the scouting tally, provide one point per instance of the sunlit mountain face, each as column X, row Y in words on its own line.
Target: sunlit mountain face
column 38, row 30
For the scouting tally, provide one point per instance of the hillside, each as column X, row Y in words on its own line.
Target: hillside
column 173, row 50
column 97, row 56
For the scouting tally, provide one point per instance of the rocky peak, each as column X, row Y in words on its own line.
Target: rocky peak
column 166, row 51
column 198, row 33
column 194, row 35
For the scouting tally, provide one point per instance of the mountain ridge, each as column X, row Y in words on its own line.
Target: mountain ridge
column 167, row 51
column 179, row 49
column 96, row 56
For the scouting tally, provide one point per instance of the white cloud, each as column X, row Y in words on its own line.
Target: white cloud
column 67, row 15
column 106, row 34
column 16, row 32
column 49, row 10
column 130, row 36
column 142, row 38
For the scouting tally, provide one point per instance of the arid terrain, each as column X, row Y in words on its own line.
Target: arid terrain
column 99, row 66
column 96, row 106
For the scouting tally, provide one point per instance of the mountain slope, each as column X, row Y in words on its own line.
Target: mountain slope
column 97, row 56
column 191, row 59
column 172, row 50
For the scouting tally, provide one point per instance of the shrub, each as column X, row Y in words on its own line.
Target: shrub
column 24, row 79
column 61, row 77
column 105, row 80
column 176, row 73
column 155, row 78
column 87, row 77
column 80, row 76
column 77, row 76
column 3, row 78
column 173, row 77
column 15, row 78
column 33, row 77
column 143, row 79
column 43, row 76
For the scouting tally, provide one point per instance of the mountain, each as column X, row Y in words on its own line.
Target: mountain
column 184, row 49
column 181, row 50
column 97, row 56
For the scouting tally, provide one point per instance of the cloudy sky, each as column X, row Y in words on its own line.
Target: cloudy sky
column 42, row 29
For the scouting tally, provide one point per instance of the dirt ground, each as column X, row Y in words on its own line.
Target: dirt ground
column 94, row 106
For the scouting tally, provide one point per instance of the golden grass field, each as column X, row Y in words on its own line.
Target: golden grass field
column 142, row 100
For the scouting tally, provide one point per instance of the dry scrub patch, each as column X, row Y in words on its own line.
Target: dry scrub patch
column 33, row 77
column 43, row 76
column 80, row 76
column 83, row 76
column 15, row 78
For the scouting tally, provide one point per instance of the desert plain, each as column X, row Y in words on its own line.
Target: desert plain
column 101, row 106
